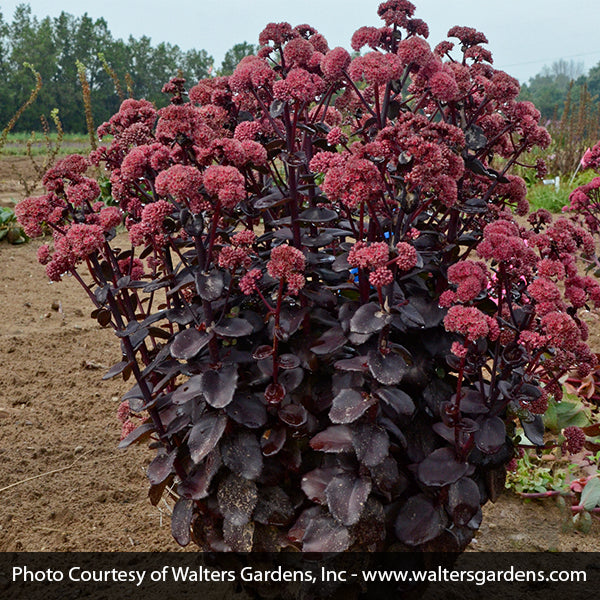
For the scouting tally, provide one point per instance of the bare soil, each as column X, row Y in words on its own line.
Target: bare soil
column 64, row 485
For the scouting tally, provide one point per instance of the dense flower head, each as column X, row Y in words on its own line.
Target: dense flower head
column 376, row 68
column 131, row 112
column 225, row 183
column 357, row 181
column 467, row 35
column 248, row 282
column 298, row 52
column 561, row 330
column 141, row 161
column 470, row 277
column 85, row 191
column 183, row 183
column 152, row 221
column 502, row 87
column 133, row 267
column 233, row 258
column 252, row 72
column 278, row 33
column 334, row 63
column 407, row 256
column 380, row 277
column 109, row 217
column 182, row 121
column 503, row 243
column 471, row 323
column 373, row 256
column 415, row 51
column 36, row 211
column 247, row 130
column 288, row 264
column 298, row 85
column 443, row 85
column 574, row 439
column 396, row 12
column 366, row 36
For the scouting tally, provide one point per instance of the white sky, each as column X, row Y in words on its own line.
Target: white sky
column 524, row 35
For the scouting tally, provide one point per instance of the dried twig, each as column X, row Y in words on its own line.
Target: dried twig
column 8, row 487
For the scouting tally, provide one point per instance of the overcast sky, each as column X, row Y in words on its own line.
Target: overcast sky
column 524, row 35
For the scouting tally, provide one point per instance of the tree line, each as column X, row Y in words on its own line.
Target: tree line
column 55, row 46
column 561, row 84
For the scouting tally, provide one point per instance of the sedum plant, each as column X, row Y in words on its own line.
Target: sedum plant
column 333, row 317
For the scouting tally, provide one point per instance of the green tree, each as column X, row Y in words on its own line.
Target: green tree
column 234, row 55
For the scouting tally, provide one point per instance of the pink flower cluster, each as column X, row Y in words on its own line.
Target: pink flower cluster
column 151, row 224
column 226, row 184
column 288, row 264
column 183, row 183
column 471, row 323
column 470, row 278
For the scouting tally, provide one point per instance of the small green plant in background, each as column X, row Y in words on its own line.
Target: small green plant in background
column 10, row 230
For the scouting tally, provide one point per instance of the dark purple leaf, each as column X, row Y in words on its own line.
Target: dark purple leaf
column 358, row 363
column 274, row 393
column 472, row 403
column 273, row 440
column 346, row 497
column 137, row 435
column 294, row 415
column 297, row 530
column 419, row 521
column 270, row 200
column 288, row 361
column 388, row 479
column 291, row 378
column 318, row 215
column 349, row 405
column 205, row 435
column 534, row 430
column 290, row 319
column 274, row 507
column 239, row 538
column 233, row 328
column 181, row 521
column 197, row 485
column 262, row 352
column 388, row 369
column 188, row 390
column 219, row 386
column 441, row 468
column 341, row 264
column 491, row 435
column 444, row 431
column 237, row 498
column 248, row 411
column 116, row 369
column 337, row 438
column 371, row 444
column 181, row 316
column 188, row 343
column 369, row 318
column 463, row 500
column 393, row 428
column 324, row 534
column 329, row 342
column 314, row 483
column 400, row 401
column 241, row 453
column 161, row 467
column 210, row 285
column 411, row 316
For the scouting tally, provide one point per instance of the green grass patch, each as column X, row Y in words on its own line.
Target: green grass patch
column 72, row 143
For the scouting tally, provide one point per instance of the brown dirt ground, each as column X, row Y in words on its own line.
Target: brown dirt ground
column 55, row 412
